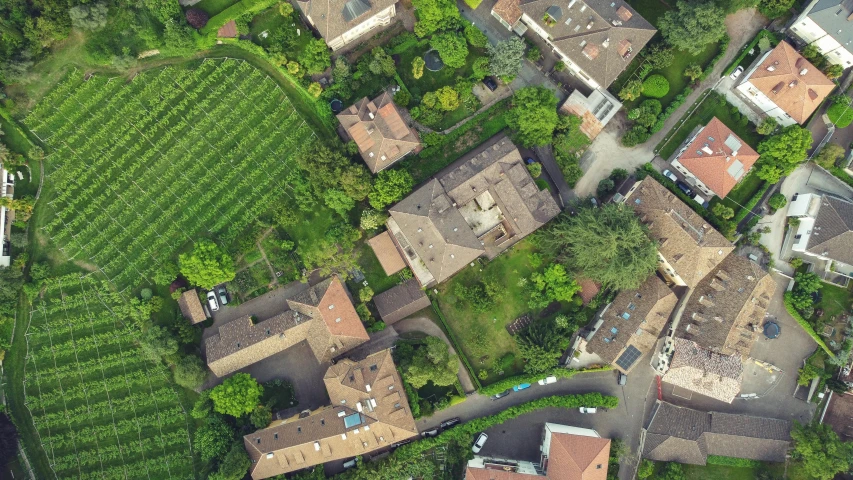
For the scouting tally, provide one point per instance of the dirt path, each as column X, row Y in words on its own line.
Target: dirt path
column 425, row 325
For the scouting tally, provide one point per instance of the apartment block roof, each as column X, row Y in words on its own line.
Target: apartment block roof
column 791, row 82
column 718, row 157
column 191, row 307
column 333, row 18
column 369, row 410
column 726, row 309
column 691, row 246
column 832, row 234
column 401, row 301
column 632, row 324
column 835, row 17
column 705, row 372
column 684, row 435
column 600, row 36
column 379, row 130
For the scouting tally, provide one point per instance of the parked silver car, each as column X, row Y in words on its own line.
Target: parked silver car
column 211, row 300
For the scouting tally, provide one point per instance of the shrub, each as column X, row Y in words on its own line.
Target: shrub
column 535, row 169
column 560, row 66
column 806, row 326
column 285, row 9
column 656, row 86
column 841, row 115
column 777, row 201
column 365, row 294
column 197, row 18
column 604, row 187
column 418, row 67
column 315, row 89
column 475, row 36
column 533, row 53
column 292, row 67
column 631, row 91
column 732, row 461
column 402, row 98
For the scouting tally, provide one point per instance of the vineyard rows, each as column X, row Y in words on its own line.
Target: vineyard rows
column 140, row 169
column 100, row 410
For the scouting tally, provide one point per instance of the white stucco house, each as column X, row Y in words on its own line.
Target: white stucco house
column 825, row 230
column 342, row 22
column 828, row 25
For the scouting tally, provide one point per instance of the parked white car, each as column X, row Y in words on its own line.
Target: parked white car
column 478, row 444
column 588, row 409
column 211, row 300
column 736, row 73
column 670, row 175
column 547, row 380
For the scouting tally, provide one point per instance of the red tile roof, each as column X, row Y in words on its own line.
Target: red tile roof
column 339, row 314
column 229, row 30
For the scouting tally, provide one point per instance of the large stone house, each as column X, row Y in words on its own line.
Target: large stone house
column 342, row 22
column 322, row 315
column 480, row 205
column 825, row 230
column 567, row 453
column 714, row 159
column 596, row 39
column 369, row 412
column 784, row 85
column 707, row 373
column 828, row 25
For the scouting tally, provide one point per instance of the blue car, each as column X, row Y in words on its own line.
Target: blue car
column 518, row 388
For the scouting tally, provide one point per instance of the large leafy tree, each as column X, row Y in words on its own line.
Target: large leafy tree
column 781, row 153
column 693, row 25
column 533, row 116
column 326, row 168
column 553, row 284
column 237, row 395
column 207, row 265
column 315, row 58
column 451, row 47
column 435, row 15
column 190, row 372
column 432, row 362
column 505, row 57
column 823, row 454
column 234, row 466
column 774, row 8
column 213, row 438
column 157, row 343
column 390, row 186
column 608, row 245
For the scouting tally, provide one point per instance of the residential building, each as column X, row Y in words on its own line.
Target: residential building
column 379, row 131
column 568, row 453
column 322, row 315
column 401, row 301
column 480, row 205
column 726, row 309
column 688, row 248
column 190, row 306
column 7, row 216
column 342, row 22
column 784, row 85
column 596, row 39
column 595, row 110
column 828, row 25
column 628, row 328
column 369, row 412
column 825, row 230
column 684, row 435
column 707, row 373
column 714, row 159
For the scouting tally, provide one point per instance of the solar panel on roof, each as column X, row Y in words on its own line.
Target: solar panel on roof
column 628, row 357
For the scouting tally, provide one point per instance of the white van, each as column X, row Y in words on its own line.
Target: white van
column 699, row 200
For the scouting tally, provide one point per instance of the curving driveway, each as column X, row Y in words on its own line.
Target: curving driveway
column 425, row 325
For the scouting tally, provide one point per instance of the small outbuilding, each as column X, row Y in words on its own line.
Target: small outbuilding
column 191, row 307
column 387, row 254
column 401, row 301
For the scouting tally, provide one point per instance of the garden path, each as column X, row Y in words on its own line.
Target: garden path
column 425, row 325
column 607, row 153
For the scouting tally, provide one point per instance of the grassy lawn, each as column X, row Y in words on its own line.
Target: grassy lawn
column 213, row 7
column 651, row 10
column 13, row 137
column 313, row 225
column 432, row 81
column 711, row 107
column 719, row 472
column 834, row 301
column 271, row 20
column 372, row 269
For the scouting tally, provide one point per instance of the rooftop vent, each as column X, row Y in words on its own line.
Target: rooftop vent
column 793, row 83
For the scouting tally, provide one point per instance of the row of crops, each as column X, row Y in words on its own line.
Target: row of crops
column 140, row 169
column 100, row 410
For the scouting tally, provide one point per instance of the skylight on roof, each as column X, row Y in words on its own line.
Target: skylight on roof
column 352, row 420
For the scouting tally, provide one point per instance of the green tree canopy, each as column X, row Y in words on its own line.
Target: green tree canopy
column 338, row 201
column 435, row 15
column 234, row 466
column 505, row 57
column 315, row 58
column 391, row 186
column 432, row 362
column 190, row 372
column 237, row 395
column 693, row 25
column 213, row 438
column 608, row 245
column 475, row 36
column 88, row 16
column 207, row 265
column 553, row 284
column 823, row 454
column 261, row 416
column 451, row 47
column 781, row 153
column 829, row 154
column 156, row 342
column 631, row 91
column 777, row 201
column 774, row 8
column 326, row 168
column 533, row 116
column 381, row 63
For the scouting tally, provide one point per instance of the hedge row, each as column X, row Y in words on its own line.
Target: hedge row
column 509, row 382
column 842, row 175
column 747, row 48
column 753, row 201
column 732, row 461
column 724, row 44
column 806, row 325
column 452, row 338
column 466, row 431
column 234, row 11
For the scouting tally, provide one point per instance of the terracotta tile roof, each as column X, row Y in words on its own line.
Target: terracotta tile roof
column 387, row 254
column 329, row 331
column 379, row 131
column 683, row 435
column 705, row 372
column 718, row 157
column 832, row 234
column 637, row 317
column 191, row 307
column 576, row 457
column 685, row 240
column 333, row 18
column 726, row 309
column 473, row 473
column 508, row 10
column 369, row 411
column 791, row 82
column 229, row 30
column 401, row 301
column 589, row 289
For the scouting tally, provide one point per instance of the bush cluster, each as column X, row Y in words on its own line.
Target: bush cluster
column 656, row 86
